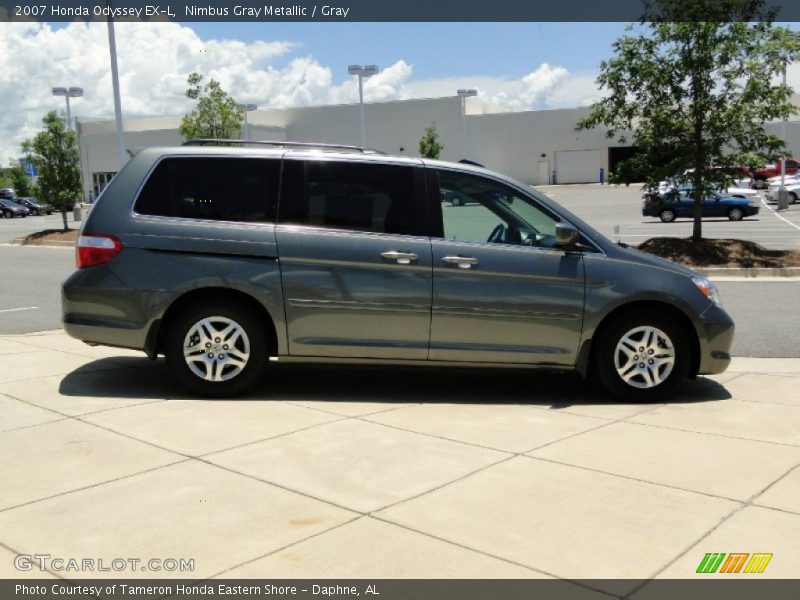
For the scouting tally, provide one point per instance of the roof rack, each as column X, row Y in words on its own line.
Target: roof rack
column 215, row 141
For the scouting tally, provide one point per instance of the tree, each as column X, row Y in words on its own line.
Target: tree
column 692, row 91
column 429, row 145
column 20, row 180
column 216, row 115
column 54, row 152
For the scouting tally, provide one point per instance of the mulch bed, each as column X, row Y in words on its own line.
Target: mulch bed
column 50, row 235
column 720, row 253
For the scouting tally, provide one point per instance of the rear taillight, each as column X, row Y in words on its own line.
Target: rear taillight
column 93, row 250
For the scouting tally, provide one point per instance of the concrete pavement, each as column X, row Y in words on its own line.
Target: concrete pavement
column 392, row 473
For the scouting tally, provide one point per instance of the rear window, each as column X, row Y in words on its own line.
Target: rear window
column 211, row 188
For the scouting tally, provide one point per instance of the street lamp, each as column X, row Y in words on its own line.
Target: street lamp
column 783, row 198
column 464, row 94
column 363, row 71
column 73, row 92
column 247, row 108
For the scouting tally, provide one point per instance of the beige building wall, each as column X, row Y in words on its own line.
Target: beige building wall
column 527, row 145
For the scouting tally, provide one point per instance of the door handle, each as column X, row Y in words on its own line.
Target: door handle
column 401, row 258
column 463, row 262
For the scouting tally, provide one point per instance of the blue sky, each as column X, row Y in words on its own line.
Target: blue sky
column 437, row 49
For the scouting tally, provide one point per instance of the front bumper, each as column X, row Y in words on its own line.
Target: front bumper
column 716, row 329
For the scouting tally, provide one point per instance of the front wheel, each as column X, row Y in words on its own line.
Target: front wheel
column 760, row 184
column 735, row 214
column 642, row 356
column 217, row 349
column 792, row 198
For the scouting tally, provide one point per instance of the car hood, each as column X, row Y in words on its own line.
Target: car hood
column 629, row 253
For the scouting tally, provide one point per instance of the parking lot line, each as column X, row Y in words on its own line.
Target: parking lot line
column 775, row 212
column 6, row 310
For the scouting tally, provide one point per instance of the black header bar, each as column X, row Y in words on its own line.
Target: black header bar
column 338, row 11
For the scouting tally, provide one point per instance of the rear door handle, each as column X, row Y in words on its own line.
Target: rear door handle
column 463, row 262
column 401, row 258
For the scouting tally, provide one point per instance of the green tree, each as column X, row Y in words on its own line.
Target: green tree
column 429, row 145
column 692, row 89
column 216, row 115
column 20, row 181
column 54, row 152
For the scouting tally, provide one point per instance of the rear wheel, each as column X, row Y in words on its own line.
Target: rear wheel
column 642, row 356
column 667, row 215
column 735, row 214
column 218, row 349
column 793, row 197
column 760, row 184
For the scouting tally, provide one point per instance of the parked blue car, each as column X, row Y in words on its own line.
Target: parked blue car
column 678, row 203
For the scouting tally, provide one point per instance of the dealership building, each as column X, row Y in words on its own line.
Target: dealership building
column 537, row 147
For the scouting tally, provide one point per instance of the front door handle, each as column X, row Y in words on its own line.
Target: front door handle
column 401, row 258
column 463, row 262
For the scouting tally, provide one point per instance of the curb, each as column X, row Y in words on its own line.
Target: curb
column 52, row 244
column 749, row 273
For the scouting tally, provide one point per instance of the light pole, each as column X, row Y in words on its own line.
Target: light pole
column 464, row 94
column 112, row 49
column 363, row 71
column 783, row 198
column 73, row 92
column 247, row 108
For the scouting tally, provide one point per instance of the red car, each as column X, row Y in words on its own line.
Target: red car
column 760, row 176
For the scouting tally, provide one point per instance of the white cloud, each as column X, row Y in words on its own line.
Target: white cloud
column 155, row 59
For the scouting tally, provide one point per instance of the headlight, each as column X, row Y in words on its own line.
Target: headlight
column 708, row 289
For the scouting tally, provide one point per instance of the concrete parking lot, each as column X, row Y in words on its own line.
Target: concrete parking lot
column 326, row 472
column 392, row 473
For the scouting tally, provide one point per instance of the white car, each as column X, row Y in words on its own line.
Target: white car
column 792, row 187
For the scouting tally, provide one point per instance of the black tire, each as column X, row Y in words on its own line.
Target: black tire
column 792, row 198
column 760, row 184
column 667, row 215
column 735, row 214
column 254, row 339
column 606, row 354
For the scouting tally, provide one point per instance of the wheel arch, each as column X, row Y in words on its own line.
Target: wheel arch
column 157, row 332
column 586, row 354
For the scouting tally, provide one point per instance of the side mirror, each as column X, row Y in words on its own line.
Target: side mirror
column 566, row 236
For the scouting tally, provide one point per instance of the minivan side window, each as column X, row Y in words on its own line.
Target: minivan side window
column 477, row 209
column 349, row 195
column 212, row 188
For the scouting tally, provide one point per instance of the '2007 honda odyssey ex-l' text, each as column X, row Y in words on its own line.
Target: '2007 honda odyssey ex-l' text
column 222, row 256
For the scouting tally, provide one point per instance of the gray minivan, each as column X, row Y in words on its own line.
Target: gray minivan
column 224, row 257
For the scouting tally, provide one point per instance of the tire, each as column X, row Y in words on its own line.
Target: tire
column 735, row 214
column 244, row 360
column 668, row 215
column 792, row 198
column 760, row 184
column 616, row 356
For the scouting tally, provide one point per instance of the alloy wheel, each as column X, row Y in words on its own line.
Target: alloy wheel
column 644, row 357
column 216, row 348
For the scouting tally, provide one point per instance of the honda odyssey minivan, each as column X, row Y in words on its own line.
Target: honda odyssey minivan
column 220, row 257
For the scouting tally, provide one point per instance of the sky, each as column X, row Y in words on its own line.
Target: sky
column 519, row 66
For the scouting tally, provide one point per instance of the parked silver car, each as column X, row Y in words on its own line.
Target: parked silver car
column 220, row 257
